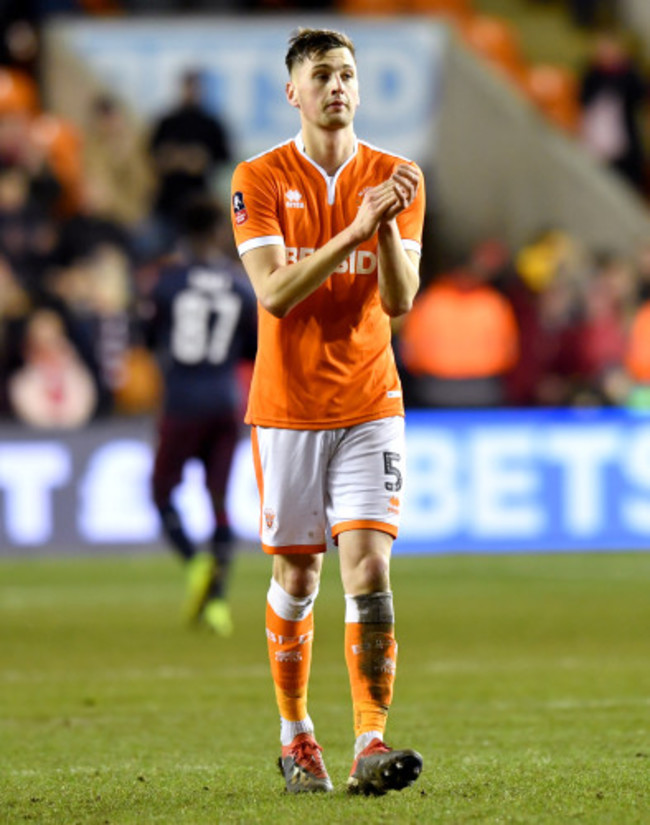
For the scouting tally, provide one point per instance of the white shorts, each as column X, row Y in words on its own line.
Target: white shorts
column 316, row 483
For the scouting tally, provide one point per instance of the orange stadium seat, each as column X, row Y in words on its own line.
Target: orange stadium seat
column 18, row 92
column 554, row 89
column 455, row 9
column 496, row 40
column 62, row 143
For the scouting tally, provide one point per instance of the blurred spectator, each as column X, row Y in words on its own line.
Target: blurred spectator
column 93, row 278
column 47, row 148
column 589, row 13
column 546, row 289
column 20, row 148
column 548, row 368
column 19, row 37
column 89, row 229
column 609, row 306
column 53, row 388
column 461, row 338
column 550, row 253
column 59, row 144
column 642, row 266
column 15, row 306
column 19, row 93
column 188, row 147
column 614, row 96
column 117, row 165
column 93, row 292
column 28, row 233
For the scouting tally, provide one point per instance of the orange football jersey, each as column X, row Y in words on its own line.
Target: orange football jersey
column 329, row 362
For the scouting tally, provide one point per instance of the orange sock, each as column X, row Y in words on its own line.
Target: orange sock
column 289, row 645
column 371, row 657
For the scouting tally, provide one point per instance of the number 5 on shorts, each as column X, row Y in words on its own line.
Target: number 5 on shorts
column 391, row 469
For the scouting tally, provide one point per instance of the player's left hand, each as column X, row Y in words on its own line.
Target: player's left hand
column 405, row 180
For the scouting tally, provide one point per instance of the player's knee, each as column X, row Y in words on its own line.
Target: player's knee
column 299, row 582
column 372, row 573
column 298, row 576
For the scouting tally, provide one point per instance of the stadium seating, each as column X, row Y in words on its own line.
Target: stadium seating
column 495, row 40
column 455, row 9
column 554, row 89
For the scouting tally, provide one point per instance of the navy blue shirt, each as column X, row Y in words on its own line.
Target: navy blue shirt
column 203, row 322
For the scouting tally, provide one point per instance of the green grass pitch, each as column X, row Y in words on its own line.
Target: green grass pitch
column 523, row 680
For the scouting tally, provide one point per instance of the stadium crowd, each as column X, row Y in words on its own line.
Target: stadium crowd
column 87, row 215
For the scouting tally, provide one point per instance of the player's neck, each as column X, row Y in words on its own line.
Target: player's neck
column 329, row 149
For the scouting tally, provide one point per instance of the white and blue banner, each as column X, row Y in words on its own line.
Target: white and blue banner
column 527, row 480
column 506, row 481
column 242, row 60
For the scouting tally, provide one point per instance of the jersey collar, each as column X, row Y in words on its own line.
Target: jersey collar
column 330, row 180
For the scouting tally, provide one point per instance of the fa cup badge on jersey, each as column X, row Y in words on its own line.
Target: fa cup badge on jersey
column 238, row 207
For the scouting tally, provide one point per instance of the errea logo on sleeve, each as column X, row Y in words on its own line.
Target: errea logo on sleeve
column 294, row 199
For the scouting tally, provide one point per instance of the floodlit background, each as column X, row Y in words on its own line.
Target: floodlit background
column 529, row 119
column 521, row 575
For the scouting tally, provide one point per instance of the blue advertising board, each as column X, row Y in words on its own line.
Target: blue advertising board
column 242, row 60
column 517, row 481
column 507, row 481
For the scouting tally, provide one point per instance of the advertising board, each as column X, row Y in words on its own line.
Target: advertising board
column 502, row 481
column 242, row 61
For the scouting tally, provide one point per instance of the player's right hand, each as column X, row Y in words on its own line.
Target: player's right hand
column 405, row 179
column 377, row 202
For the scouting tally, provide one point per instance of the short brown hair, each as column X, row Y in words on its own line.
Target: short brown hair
column 307, row 43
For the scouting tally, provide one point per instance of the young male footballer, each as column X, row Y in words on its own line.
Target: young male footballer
column 329, row 230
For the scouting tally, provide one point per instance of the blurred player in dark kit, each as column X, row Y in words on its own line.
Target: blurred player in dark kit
column 201, row 321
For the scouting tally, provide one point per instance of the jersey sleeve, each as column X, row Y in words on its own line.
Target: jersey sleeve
column 411, row 220
column 254, row 213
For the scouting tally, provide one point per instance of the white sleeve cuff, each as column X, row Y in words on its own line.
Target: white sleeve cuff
column 255, row 243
